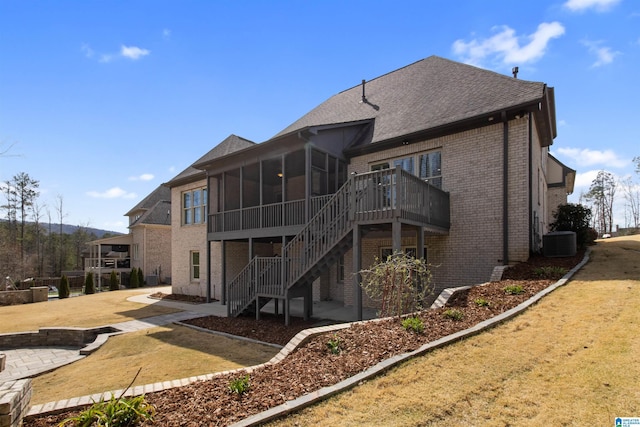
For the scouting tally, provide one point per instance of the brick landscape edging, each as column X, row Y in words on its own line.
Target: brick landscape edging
column 318, row 395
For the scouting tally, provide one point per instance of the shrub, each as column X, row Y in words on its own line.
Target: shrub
column 414, row 324
column 334, row 345
column 553, row 272
column 113, row 282
column 140, row 277
column 400, row 283
column 133, row 280
column 453, row 314
column 576, row 218
column 122, row 412
column 89, row 287
column 240, row 385
column 63, row 289
column 513, row 290
column 481, row 302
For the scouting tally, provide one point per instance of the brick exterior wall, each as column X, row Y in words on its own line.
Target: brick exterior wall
column 555, row 197
column 186, row 239
column 472, row 171
column 154, row 249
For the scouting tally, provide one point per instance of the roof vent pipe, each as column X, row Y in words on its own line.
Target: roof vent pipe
column 514, row 70
column 364, row 97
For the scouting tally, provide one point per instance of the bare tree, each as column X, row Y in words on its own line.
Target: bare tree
column 36, row 210
column 61, row 217
column 602, row 194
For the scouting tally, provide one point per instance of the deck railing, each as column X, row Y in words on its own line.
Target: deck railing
column 374, row 196
column 265, row 216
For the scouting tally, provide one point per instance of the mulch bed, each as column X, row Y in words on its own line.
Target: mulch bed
column 313, row 366
column 192, row 299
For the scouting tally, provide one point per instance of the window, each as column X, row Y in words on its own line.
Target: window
column 341, row 269
column 195, row 266
column 429, row 166
column 136, row 251
column 194, row 206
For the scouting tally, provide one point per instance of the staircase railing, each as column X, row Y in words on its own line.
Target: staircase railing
column 378, row 195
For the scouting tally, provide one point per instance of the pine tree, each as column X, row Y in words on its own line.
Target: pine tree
column 133, row 280
column 113, row 282
column 88, row 284
column 140, row 277
column 63, row 290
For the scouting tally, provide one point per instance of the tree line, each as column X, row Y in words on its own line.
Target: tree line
column 32, row 242
column 604, row 191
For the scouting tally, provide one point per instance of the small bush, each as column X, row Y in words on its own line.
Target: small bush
column 453, row 314
column 89, row 287
column 240, row 385
column 64, row 290
column 123, row 412
column 414, row 324
column 113, row 282
column 334, row 345
column 481, row 302
column 140, row 277
column 513, row 290
column 401, row 284
column 133, row 280
column 554, row 272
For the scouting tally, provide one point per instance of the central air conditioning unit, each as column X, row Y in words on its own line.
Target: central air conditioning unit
column 559, row 244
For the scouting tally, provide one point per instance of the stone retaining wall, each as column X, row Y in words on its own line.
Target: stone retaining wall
column 14, row 402
column 53, row 337
column 28, row 296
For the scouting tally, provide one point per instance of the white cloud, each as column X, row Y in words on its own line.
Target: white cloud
column 172, row 169
column 603, row 54
column 112, row 193
column 105, row 58
column 143, row 177
column 133, row 52
column 587, row 157
column 130, row 52
column 506, row 45
column 166, row 34
column 584, row 180
column 581, row 5
column 562, row 122
column 86, row 49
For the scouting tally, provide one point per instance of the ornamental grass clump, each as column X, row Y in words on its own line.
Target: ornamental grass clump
column 116, row 412
column 400, row 283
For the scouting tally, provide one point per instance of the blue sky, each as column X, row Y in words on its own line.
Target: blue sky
column 102, row 101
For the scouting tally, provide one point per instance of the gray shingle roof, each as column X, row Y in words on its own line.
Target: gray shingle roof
column 426, row 94
column 161, row 193
column 229, row 145
column 160, row 213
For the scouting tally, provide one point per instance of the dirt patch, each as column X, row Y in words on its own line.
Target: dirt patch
column 313, row 365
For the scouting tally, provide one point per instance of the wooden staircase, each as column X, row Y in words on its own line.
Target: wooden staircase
column 379, row 196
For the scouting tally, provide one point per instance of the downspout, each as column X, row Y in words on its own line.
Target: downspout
column 530, row 182
column 208, row 202
column 505, row 189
